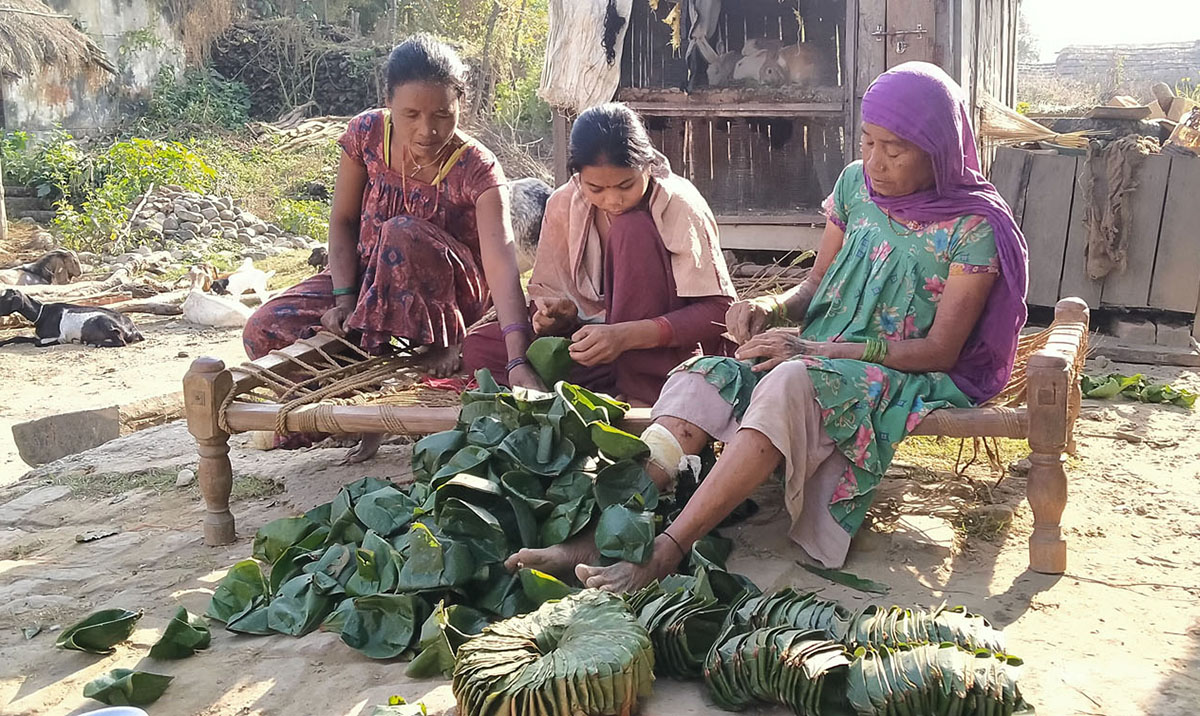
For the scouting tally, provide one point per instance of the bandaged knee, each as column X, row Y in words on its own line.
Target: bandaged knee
column 667, row 455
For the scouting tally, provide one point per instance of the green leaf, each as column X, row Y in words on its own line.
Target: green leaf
column 528, row 489
column 476, row 527
column 624, row 534
column 568, row 487
column 626, row 483
column 274, row 538
column 446, row 629
column 252, row 622
column 126, row 687
column 541, row 587
column 344, row 527
column 470, row 460
column 550, row 358
column 377, row 567
column 521, row 446
column 382, row 626
column 486, row 432
column 847, row 579
column 99, row 632
column 336, row 620
column 432, row 452
column 564, row 520
column 616, row 444
column 337, row 562
column 387, row 510
column 242, row 589
column 290, row 564
column 185, row 634
column 593, row 406
column 302, row 603
column 434, row 561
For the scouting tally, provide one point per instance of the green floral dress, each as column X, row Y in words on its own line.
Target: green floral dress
column 885, row 282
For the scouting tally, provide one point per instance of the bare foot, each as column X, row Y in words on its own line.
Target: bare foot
column 368, row 445
column 443, row 362
column 561, row 560
column 624, row 577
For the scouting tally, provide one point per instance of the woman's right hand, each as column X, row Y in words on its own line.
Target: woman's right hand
column 746, row 319
column 334, row 320
column 554, row 316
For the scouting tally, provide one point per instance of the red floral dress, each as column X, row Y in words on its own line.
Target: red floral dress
column 419, row 265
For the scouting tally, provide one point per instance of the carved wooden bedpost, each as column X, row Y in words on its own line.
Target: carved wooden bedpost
column 1053, row 407
column 204, row 389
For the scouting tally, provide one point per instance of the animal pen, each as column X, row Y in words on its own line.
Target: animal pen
column 757, row 101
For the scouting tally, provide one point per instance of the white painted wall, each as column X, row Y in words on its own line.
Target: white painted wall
column 91, row 100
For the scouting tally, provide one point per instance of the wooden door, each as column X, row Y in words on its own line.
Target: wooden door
column 910, row 31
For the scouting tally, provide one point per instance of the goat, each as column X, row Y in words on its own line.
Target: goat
column 59, row 266
column 58, row 323
column 319, row 258
column 527, row 200
column 245, row 279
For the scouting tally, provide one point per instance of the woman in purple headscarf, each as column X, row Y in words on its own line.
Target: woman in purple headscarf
column 914, row 304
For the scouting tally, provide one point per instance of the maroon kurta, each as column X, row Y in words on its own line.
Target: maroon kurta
column 638, row 285
column 419, row 266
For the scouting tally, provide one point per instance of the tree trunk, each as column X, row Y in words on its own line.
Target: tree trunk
column 485, row 71
column 3, row 212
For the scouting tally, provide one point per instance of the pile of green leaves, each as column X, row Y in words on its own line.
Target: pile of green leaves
column 584, row 654
column 1135, row 387
column 522, row 469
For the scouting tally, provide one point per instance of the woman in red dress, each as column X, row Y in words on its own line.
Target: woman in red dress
column 420, row 242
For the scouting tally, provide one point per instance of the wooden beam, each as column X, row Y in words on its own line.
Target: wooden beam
column 799, row 218
column 741, row 109
column 558, row 126
column 242, row 417
column 766, row 237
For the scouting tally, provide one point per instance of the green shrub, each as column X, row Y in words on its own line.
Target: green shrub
column 200, row 98
column 91, row 218
column 303, row 217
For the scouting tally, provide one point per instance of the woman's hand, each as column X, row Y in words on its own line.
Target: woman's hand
column 779, row 345
column 599, row 344
column 334, row 320
column 526, row 377
column 554, row 316
column 747, row 319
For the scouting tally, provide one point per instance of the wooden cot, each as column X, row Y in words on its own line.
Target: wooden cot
column 326, row 385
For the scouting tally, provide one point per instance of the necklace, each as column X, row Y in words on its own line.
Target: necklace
column 437, row 188
column 910, row 225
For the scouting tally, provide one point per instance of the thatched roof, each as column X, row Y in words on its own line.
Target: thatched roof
column 33, row 37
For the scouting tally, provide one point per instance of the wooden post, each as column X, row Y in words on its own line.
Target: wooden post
column 204, row 389
column 561, row 139
column 3, row 211
column 1051, row 375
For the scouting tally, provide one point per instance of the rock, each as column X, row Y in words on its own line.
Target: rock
column 1174, row 335
column 89, row 257
column 171, row 223
column 227, row 215
column 229, row 235
column 255, row 255
column 209, row 213
column 160, row 217
column 1134, row 331
column 185, row 215
column 185, row 478
column 48, row 439
column 143, row 250
column 283, row 241
column 153, row 227
column 184, row 235
column 226, row 203
column 177, row 255
column 20, row 509
column 42, row 241
column 245, row 239
column 230, row 225
column 1020, row 467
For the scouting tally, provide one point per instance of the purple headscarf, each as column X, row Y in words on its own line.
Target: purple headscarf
column 919, row 102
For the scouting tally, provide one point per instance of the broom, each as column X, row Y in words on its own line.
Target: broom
column 1003, row 125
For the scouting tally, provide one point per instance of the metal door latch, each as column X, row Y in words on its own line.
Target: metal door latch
column 901, row 44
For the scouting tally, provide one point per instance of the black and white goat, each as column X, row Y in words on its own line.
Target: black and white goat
column 59, row 266
column 56, row 323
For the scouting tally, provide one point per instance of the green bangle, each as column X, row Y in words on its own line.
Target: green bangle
column 876, row 351
column 347, row 291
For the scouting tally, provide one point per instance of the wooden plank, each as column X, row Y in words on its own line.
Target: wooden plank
column 909, row 15
column 872, row 53
column 741, row 109
column 1150, row 355
column 243, row 417
column 558, row 126
column 850, row 41
column 755, row 237
column 1047, row 216
column 1007, row 169
column 798, row 218
column 1176, row 284
column 1131, row 288
column 1075, row 281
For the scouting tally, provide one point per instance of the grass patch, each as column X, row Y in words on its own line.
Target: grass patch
column 158, row 480
column 290, row 268
column 943, row 454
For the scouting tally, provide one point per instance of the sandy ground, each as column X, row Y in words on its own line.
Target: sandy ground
column 1118, row 634
column 39, row 382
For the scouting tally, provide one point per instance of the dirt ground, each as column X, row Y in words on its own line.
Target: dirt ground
column 1118, row 635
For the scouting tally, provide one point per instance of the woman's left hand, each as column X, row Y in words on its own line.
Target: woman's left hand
column 526, row 377
column 779, row 345
column 598, row 344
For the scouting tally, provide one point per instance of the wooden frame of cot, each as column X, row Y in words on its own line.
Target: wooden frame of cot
column 1047, row 378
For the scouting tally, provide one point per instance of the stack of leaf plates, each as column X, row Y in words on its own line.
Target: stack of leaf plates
column 584, row 654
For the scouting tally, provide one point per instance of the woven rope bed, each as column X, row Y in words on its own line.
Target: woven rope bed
column 326, row 384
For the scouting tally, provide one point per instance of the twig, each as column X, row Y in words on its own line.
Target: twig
column 22, row 11
column 129, row 224
column 1095, row 703
column 1187, row 587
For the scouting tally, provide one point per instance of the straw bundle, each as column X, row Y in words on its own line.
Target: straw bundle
column 1003, row 125
column 33, row 37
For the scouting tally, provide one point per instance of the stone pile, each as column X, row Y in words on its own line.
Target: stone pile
column 188, row 227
